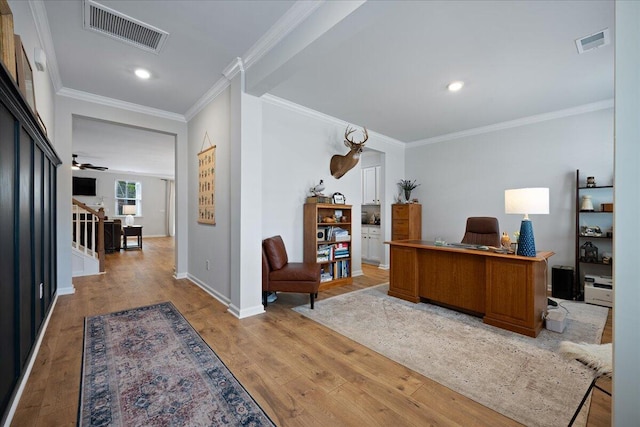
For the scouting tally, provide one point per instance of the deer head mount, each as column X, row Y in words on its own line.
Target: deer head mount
column 342, row 164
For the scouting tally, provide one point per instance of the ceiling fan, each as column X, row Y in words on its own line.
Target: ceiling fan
column 82, row 166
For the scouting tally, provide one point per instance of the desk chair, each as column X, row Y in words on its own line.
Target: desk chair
column 597, row 357
column 482, row 230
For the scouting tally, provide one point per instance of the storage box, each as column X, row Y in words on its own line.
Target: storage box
column 556, row 321
column 598, row 296
column 606, row 207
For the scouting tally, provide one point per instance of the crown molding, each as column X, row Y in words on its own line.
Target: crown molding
column 582, row 109
column 209, row 96
column 236, row 66
column 287, row 23
column 116, row 103
column 46, row 41
column 283, row 103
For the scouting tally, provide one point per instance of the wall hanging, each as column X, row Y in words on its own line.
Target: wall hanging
column 207, row 182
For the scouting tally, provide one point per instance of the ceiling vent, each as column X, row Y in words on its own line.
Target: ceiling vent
column 121, row 27
column 593, row 41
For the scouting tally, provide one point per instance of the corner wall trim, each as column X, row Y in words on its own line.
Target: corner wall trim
column 217, row 295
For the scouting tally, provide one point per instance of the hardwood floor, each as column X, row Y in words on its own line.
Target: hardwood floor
column 301, row 373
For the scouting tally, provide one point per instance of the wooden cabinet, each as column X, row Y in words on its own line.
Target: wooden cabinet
column 594, row 232
column 406, row 221
column 371, row 243
column 27, row 232
column 371, row 185
column 327, row 241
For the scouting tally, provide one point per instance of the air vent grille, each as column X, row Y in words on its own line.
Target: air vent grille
column 114, row 24
column 593, row 41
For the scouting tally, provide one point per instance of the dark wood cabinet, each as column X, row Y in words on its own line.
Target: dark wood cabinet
column 27, row 231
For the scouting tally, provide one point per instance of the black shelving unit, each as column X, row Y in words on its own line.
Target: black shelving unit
column 604, row 194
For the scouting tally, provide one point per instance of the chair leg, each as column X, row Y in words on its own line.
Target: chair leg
column 312, row 296
column 265, row 294
column 584, row 398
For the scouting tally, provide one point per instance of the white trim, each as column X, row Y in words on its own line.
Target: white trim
column 383, row 266
column 233, row 68
column 179, row 276
column 296, row 14
column 217, row 295
column 25, row 375
column 209, row 96
column 70, row 290
column 116, row 103
column 247, row 312
column 582, row 109
column 46, row 41
column 287, row 23
column 274, row 100
column 357, row 273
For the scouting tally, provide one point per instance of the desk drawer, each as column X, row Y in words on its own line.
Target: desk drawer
column 400, row 212
column 401, row 226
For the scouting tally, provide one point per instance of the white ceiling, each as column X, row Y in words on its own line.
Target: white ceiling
column 380, row 64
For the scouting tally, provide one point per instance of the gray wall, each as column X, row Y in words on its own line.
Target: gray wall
column 468, row 176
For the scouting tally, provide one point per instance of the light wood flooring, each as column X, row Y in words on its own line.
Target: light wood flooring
column 301, row 373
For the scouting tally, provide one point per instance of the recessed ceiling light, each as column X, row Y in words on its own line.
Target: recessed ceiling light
column 455, row 86
column 142, row 73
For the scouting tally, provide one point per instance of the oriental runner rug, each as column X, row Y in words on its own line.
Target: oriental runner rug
column 148, row 367
column 526, row 379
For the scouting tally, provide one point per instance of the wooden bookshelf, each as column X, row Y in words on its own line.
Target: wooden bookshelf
column 324, row 244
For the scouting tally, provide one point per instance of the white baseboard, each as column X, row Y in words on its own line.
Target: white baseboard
column 13, row 405
column 217, row 295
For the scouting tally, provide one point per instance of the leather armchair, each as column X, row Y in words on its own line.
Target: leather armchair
column 278, row 274
column 482, row 230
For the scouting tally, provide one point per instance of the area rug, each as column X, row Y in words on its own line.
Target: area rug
column 524, row 378
column 148, row 367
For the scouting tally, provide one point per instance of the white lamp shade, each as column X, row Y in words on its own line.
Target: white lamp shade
column 129, row 210
column 526, row 201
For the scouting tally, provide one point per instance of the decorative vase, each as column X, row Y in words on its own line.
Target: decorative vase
column 587, row 204
column 407, row 195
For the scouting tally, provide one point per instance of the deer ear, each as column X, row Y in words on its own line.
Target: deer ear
column 347, row 144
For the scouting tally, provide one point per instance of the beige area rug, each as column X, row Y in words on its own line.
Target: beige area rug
column 524, row 378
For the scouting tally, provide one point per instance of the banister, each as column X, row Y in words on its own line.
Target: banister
column 98, row 237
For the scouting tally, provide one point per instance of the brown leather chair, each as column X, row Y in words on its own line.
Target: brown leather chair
column 482, row 230
column 278, row 274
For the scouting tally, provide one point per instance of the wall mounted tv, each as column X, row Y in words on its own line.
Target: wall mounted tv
column 84, row 186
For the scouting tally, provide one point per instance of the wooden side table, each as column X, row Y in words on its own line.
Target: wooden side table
column 132, row 231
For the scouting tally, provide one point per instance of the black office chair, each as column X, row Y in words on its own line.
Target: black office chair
column 482, row 230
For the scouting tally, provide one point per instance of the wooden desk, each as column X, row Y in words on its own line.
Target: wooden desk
column 507, row 291
column 132, row 231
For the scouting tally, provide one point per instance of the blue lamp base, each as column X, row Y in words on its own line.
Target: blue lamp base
column 526, row 244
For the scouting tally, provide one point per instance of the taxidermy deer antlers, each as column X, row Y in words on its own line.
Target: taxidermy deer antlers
column 342, row 164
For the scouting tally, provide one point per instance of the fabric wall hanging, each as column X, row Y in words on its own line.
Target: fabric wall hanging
column 207, row 183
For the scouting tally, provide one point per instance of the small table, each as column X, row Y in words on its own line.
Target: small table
column 132, row 231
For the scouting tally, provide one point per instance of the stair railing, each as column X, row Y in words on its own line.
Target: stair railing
column 88, row 231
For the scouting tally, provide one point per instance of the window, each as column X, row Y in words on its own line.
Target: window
column 128, row 193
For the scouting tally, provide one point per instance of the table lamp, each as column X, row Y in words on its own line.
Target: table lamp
column 129, row 211
column 526, row 201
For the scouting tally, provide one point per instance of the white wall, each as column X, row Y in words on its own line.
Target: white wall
column 211, row 242
column 626, row 316
column 468, row 176
column 153, row 218
column 297, row 148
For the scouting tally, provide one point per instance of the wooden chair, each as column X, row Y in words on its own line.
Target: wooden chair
column 482, row 230
column 280, row 275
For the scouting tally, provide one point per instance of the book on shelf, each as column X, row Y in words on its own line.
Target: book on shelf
column 319, row 199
